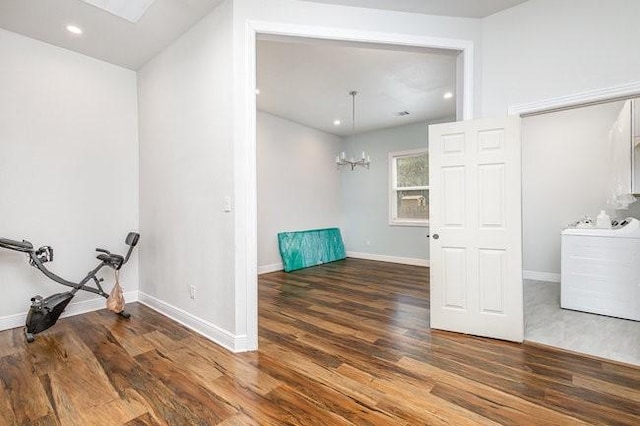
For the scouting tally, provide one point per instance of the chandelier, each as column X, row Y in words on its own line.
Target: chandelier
column 364, row 160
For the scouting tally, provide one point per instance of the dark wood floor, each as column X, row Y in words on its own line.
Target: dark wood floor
column 343, row 343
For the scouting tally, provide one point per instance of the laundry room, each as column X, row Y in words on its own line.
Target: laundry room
column 581, row 234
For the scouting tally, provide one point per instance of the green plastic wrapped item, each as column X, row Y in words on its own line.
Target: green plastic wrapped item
column 302, row 249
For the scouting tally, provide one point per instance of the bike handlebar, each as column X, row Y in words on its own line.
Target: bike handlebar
column 23, row 246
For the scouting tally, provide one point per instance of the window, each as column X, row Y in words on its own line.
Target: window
column 409, row 184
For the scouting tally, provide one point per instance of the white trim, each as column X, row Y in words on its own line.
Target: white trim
column 409, row 152
column 265, row 269
column 245, row 185
column 423, row 224
column 541, row 276
column 590, row 96
column 246, row 195
column 74, row 308
column 460, row 87
column 389, row 259
column 12, row 321
column 467, row 78
column 211, row 331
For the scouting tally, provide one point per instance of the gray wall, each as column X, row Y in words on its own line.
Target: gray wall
column 298, row 184
column 365, row 196
column 565, row 175
column 310, row 193
column 632, row 211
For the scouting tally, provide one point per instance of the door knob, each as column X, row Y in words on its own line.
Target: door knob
column 436, row 236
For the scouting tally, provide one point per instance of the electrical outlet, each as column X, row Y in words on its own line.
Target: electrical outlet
column 192, row 292
column 367, row 242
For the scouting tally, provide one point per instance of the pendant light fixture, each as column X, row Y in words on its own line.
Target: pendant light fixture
column 364, row 160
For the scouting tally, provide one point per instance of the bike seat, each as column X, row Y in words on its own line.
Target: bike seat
column 114, row 260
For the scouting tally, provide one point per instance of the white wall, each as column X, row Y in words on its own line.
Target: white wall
column 543, row 49
column 366, row 197
column 298, row 184
column 68, row 167
column 186, row 171
column 565, row 175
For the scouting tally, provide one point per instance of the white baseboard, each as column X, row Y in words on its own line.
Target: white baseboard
column 12, row 321
column 390, row 259
column 210, row 331
column 541, row 276
column 74, row 308
column 265, row 269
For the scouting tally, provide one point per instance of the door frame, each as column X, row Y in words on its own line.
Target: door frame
column 566, row 102
column 575, row 100
column 245, row 163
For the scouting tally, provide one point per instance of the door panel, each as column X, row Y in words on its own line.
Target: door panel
column 453, row 183
column 491, row 195
column 490, row 140
column 475, row 209
column 453, row 144
column 455, row 278
column 492, row 274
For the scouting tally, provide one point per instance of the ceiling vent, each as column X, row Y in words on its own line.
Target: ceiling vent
column 401, row 113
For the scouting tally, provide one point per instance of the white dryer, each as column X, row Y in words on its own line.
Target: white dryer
column 601, row 270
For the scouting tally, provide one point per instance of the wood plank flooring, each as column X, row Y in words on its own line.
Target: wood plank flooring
column 342, row 343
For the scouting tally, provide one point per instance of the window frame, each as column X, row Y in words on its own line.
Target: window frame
column 393, row 188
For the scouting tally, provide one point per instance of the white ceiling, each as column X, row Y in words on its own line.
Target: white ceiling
column 105, row 36
column 131, row 10
column 460, row 8
column 308, row 81
column 130, row 45
column 305, row 82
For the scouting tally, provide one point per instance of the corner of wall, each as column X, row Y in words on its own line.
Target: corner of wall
column 224, row 338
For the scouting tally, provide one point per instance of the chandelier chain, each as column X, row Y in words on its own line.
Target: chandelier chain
column 341, row 160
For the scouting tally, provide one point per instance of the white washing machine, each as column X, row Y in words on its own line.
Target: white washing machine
column 601, row 270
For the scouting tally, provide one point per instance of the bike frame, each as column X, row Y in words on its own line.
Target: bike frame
column 76, row 286
column 36, row 261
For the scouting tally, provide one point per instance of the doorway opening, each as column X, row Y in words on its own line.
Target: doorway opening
column 460, row 51
column 574, row 300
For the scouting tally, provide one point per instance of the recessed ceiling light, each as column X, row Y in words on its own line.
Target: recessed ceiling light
column 448, row 95
column 74, row 30
column 401, row 113
column 257, row 91
column 336, row 122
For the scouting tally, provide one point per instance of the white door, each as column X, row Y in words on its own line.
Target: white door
column 475, row 227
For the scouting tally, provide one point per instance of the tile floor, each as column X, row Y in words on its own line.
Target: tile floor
column 547, row 323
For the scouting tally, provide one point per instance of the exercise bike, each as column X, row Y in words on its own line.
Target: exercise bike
column 44, row 312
